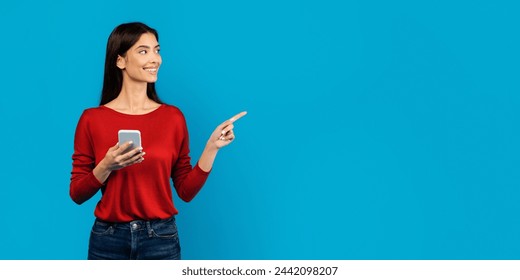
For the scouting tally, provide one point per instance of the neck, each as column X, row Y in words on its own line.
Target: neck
column 133, row 97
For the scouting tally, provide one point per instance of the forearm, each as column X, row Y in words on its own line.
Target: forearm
column 208, row 157
column 101, row 172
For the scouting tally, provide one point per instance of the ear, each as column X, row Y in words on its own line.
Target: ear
column 121, row 62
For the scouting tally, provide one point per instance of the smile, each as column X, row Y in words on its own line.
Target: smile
column 150, row 70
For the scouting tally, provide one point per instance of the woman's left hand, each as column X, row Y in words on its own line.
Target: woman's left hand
column 223, row 134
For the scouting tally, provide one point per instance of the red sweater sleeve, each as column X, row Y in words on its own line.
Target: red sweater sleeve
column 187, row 180
column 83, row 183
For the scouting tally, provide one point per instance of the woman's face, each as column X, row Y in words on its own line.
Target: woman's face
column 141, row 62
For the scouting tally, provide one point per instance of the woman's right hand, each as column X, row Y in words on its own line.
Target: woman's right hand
column 117, row 158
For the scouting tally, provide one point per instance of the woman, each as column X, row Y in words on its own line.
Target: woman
column 135, row 216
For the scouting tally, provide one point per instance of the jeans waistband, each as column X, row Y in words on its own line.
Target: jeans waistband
column 138, row 224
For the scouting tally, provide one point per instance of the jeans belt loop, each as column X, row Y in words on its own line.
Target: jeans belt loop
column 149, row 228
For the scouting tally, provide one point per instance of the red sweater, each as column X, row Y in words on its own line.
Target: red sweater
column 142, row 190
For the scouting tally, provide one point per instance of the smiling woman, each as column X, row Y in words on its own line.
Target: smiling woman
column 135, row 218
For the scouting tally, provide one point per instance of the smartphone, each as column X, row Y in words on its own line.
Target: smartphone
column 126, row 135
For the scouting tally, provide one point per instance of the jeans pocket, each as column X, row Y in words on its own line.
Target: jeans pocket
column 165, row 230
column 102, row 228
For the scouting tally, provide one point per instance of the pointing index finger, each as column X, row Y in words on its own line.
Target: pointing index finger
column 237, row 116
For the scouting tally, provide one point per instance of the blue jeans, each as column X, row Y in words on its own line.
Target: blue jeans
column 135, row 240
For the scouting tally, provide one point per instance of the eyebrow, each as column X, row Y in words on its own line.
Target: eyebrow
column 147, row 47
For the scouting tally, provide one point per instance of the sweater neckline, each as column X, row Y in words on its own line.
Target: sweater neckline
column 133, row 115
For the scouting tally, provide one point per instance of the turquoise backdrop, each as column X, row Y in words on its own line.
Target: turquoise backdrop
column 376, row 129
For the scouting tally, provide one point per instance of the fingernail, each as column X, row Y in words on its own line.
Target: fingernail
column 223, row 132
column 144, row 153
column 131, row 142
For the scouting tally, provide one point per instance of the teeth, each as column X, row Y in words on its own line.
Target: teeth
column 151, row 69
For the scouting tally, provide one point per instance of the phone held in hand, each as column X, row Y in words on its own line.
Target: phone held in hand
column 126, row 135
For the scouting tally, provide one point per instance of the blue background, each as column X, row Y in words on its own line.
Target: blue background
column 376, row 129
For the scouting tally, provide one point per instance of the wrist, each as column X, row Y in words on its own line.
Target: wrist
column 103, row 167
column 101, row 172
column 211, row 146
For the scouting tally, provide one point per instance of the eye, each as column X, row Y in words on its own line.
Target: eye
column 157, row 50
column 142, row 52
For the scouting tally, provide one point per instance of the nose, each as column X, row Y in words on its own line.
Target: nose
column 156, row 58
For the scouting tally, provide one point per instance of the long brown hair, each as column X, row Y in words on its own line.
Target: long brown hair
column 122, row 38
